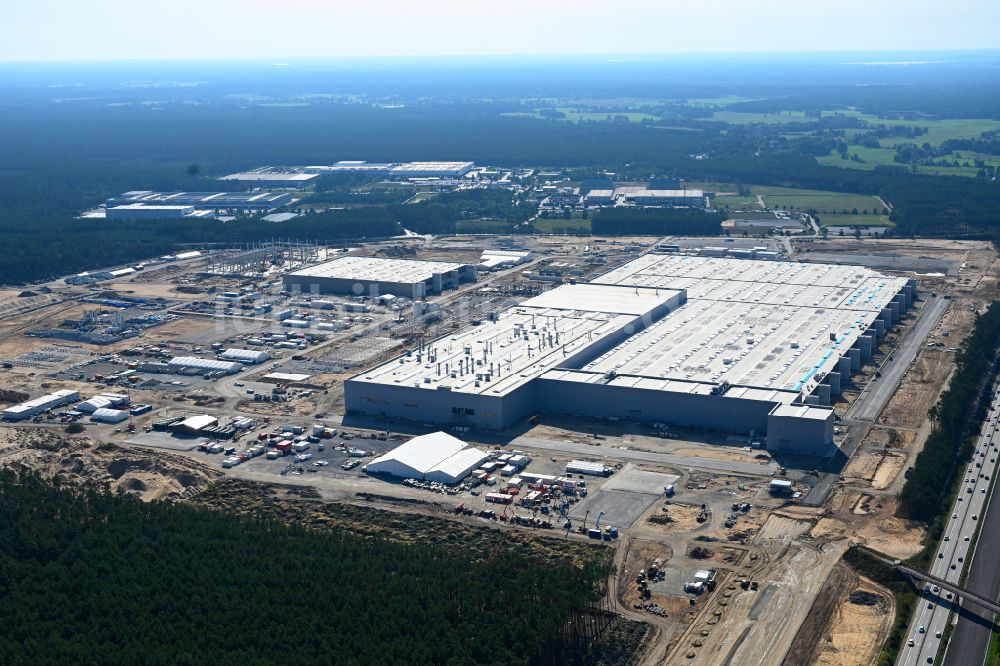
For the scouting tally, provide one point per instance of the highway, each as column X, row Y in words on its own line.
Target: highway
column 934, row 606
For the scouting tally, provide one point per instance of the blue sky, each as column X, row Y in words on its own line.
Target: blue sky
column 33, row 30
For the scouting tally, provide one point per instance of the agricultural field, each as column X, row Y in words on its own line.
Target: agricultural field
column 855, row 220
column 822, row 201
column 560, row 226
column 748, row 118
column 576, row 115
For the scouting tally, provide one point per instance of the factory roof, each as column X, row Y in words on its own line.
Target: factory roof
column 803, row 412
column 377, row 269
column 524, row 341
column 599, row 298
column 275, row 176
column 421, row 167
column 143, row 206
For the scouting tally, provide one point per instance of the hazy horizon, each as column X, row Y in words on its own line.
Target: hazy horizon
column 116, row 30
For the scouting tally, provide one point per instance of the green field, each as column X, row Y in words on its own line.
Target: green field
column 874, row 157
column 938, row 131
column 855, row 220
column 736, row 202
column 421, row 196
column 574, row 115
column 746, row 118
column 574, row 226
column 822, row 201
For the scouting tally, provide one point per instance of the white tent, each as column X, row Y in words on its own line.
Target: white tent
column 434, row 457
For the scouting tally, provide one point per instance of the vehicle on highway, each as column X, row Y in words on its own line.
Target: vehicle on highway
column 921, row 629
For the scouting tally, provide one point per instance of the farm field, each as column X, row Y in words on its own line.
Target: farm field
column 855, row 220
column 820, row 200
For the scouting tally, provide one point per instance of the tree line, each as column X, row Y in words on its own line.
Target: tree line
column 88, row 576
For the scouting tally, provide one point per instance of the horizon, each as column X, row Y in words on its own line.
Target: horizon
column 116, row 31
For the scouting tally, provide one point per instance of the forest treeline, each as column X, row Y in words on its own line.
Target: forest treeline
column 92, row 577
column 957, row 417
column 56, row 160
column 656, row 222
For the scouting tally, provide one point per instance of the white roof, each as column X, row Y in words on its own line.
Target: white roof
column 599, row 298
column 198, row 422
column 252, row 355
column 423, row 453
column 204, row 363
column 378, row 269
column 460, row 463
column 112, row 415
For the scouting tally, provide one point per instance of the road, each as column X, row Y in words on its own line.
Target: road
column 974, row 629
column 934, row 606
column 877, row 393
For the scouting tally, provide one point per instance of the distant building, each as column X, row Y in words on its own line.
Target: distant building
column 375, row 276
column 203, row 200
column 272, row 178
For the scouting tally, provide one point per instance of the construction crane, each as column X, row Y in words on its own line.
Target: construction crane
column 597, row 526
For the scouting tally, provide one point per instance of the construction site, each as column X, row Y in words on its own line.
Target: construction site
column 728, row 427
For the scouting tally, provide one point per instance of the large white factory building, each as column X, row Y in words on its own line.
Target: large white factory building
column 720, row 344
column 375, row 276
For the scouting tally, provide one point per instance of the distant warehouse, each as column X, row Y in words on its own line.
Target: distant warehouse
column 202, row 200
column 270, row 177
column 374, row 276
column 248, row 356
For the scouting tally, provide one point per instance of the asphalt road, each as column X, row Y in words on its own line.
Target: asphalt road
column 974, row 629
column 934, row 607
column 878, row 392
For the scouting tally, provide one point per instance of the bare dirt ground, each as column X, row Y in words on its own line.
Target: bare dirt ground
column 870, row 520
column 858, row 627
column 149, row 475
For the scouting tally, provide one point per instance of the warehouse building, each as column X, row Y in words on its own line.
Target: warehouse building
column 375, row 276
column 203, row 365
column 741, row 346
column 140, row 211
column 246, row 356
column 40, row 405
column 431, row 169
column 203, row 200
column 195, row 425
column 434, row 457
column 272, row 178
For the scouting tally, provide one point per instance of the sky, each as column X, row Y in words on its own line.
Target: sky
column 78, row 30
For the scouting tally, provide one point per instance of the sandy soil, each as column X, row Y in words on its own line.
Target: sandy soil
column 859, row 626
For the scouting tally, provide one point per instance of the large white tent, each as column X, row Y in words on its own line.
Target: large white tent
column 434, row 457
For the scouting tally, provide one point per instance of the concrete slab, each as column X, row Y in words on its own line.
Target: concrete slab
column 621, row 508
column 639, row 481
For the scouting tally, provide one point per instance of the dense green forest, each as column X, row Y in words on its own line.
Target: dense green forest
column 656, row 221
column 957, row 418
column 61, row 155
column 98, row 578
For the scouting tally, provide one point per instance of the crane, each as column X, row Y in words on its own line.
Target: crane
column 597, row 526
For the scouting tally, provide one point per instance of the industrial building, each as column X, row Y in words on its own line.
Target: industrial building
column 40, row 405
column 492, row 260
column 640, row 195
column 740, row 346
column 202, row 200
column 246, row 356
column 434, row 457
column 397, row 169
column 141, row 211
column 179, row 363
column 374, row 276
column 431, row 169
column 194, row 425
column 273, row 178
